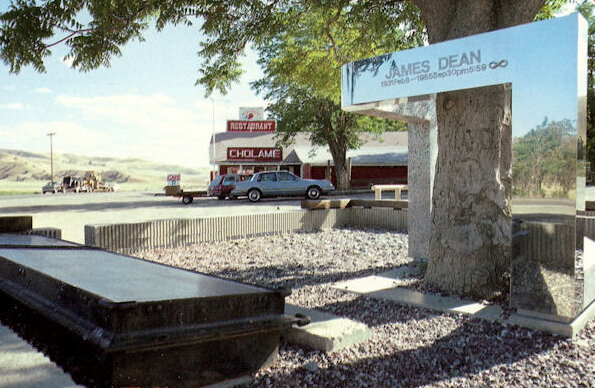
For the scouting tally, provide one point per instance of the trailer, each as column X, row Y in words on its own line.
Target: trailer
column 187, row 196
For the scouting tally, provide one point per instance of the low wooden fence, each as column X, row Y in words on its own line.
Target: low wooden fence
column 126, row 238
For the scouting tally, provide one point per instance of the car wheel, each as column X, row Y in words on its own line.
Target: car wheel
column 187, row 200
column 313, row 192
column 254, row 195
column 221, row 197
column 232, row 197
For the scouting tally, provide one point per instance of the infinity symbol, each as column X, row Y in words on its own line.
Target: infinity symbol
column 502, row 63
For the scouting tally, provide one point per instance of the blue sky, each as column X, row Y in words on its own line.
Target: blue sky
column 145, row 105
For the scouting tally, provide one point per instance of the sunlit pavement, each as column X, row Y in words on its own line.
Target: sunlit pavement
column 71, row 212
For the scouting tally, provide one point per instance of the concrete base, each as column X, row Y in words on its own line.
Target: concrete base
column 565, row 329
column 326, row 332
column 382, row 287
column 379, row 287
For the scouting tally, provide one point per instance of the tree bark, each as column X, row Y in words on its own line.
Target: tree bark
column 342, row 176
column 340, row 161
column 470, row 243
column 471, row 222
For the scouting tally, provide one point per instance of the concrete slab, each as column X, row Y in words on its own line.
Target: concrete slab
column 326, row 332
column 378, row 287
column 23, row 366
column 366, row 285
column 565, row 329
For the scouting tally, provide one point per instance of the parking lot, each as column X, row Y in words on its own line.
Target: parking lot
column 71, row 212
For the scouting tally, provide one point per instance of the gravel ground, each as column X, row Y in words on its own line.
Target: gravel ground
column 408, row 346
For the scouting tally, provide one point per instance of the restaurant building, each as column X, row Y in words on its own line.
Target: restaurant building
column 381, row 159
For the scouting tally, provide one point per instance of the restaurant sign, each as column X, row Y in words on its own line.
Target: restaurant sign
column 251, row 125
column 255, row 154
column 251, row 113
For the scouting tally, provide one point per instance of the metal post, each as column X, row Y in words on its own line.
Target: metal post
column 349, row 173
column 51, row 135
column 213, row 140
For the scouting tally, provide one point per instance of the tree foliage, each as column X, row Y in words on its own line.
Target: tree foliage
column 301, row 45
column 587, row 9
column 302, row 65
column 543, row 159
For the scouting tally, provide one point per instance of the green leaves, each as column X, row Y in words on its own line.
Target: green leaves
column 93, row 30
column 543, row 160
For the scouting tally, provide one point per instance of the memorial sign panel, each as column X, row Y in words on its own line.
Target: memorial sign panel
column 546, row 64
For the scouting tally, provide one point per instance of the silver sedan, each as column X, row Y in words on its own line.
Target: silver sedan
column 280, row 183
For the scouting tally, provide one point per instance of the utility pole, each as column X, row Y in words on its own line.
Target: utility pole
column 213, row 140
column 51, row 135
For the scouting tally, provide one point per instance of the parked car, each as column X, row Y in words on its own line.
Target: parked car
column 222, row 185
column 50, row 187
column 277, row 183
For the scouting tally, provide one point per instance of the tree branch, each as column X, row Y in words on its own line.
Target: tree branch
column 328, row 31
column 77, row 32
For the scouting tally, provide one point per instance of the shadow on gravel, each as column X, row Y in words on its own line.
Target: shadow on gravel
column 374, row 312
column 475, row 346
column 292, row 275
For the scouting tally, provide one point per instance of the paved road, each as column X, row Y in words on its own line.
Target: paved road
column 71, row 212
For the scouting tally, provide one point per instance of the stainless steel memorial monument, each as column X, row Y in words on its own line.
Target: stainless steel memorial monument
column 553, row 268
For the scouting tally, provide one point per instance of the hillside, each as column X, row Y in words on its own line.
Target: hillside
column 23, row 171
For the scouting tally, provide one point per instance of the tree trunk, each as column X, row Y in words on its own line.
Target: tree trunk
column 339, row 154
column 342, row 176
column 471, row 224
column 470, row 244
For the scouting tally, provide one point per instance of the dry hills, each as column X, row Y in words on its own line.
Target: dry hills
column 23, row 171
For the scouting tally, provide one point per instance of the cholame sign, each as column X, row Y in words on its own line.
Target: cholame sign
column 255, row 154
column 546, row 64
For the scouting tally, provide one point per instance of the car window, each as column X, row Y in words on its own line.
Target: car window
column 229, row 179
column 287, row 176
column 217, row 180
column 268, row 177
